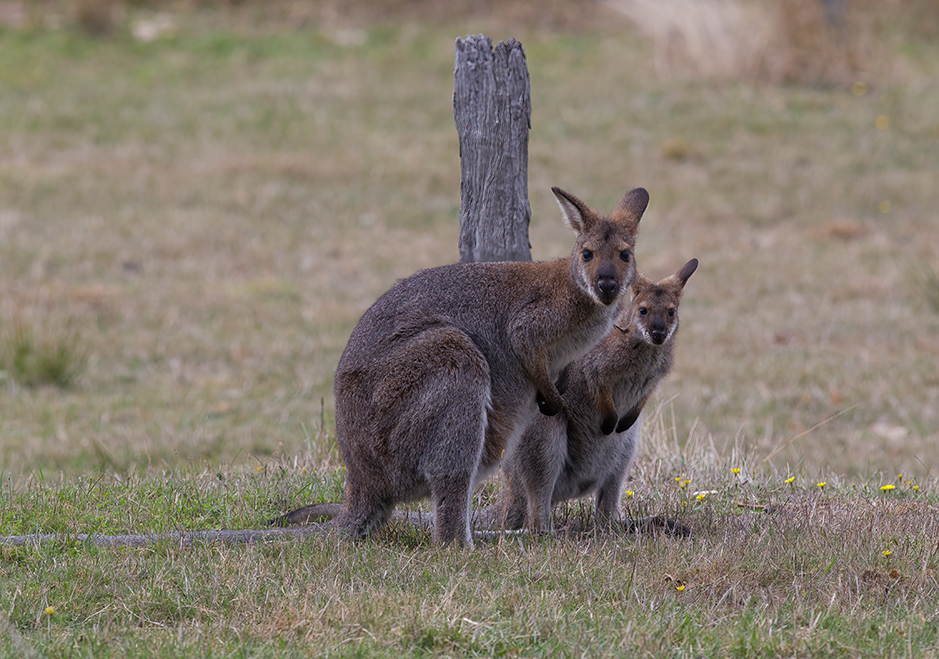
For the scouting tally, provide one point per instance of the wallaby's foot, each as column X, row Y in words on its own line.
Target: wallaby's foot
column 318, row 512
column 658, row 524
column 360, row 516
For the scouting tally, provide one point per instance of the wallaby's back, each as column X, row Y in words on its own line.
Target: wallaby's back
column 443, row 372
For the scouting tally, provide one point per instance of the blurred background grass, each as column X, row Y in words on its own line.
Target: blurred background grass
column 199, row 199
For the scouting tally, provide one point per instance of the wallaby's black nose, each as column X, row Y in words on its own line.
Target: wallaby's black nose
column 607, row 287
column 658, row 335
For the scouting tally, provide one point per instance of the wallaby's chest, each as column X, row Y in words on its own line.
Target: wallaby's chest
column 640, row 375
column 570, row 347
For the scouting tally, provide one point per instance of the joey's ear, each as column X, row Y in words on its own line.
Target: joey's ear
column 681, row 277
column 686, row 271
column 577, row 215
column 631, row 207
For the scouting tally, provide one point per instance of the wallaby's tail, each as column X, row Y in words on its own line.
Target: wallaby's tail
column 322, row 512
column 318, row 512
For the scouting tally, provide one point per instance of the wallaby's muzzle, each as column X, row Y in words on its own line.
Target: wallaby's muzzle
column 658, row 333
column 607, row 287
column 606, row 290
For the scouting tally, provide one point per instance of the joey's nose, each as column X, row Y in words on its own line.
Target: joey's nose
column 607, row 287
column 658, row 335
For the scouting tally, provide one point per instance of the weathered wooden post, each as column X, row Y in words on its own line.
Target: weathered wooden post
column 492, row 112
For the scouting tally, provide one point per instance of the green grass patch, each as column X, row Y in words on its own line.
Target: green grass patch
column 772, row 568
column 53, row 354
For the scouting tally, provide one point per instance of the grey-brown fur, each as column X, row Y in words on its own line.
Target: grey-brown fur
column 590, row 447
column 442, row 374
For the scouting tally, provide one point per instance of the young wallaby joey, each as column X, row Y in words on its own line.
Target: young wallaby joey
column 591, row 445
column 444, row 372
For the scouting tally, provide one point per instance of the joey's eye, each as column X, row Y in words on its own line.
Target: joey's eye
column 625, row 255
column 671, row 313
column 586, row 255
column 643, row 311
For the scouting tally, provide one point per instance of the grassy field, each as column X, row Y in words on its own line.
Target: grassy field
column 191, row 223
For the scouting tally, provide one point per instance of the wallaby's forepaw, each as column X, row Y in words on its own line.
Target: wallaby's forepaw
column 608, row 425
column 627, row 422
column 545, row 406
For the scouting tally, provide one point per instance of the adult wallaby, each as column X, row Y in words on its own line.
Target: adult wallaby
column 444, row 372
column 591, row 445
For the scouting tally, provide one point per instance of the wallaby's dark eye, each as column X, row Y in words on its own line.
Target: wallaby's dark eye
column 671, row 312
column 625, row 255
column 643, row 311
column 586, row 255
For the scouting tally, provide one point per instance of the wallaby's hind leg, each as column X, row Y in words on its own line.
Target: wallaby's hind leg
column 535, row 468
column 608, row 498
column 419, row 431
column 610, row 491
column 609, row 495
column 452, row 515
column 510, row 513
column 452, row 461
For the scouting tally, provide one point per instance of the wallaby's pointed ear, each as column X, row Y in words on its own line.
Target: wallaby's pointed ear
column 686, row 271
column 577, row 215
column 681, row 277
column 631, row 207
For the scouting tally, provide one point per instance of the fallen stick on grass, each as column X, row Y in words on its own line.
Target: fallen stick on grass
column 182, row 538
